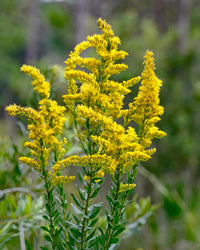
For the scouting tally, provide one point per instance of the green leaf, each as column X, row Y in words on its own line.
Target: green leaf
column 55, row 213
column 115, row 228
column 101, row 181
column 70, row 246
column 102, row 237
column 86, row 172
column 76, row 201
column 109, row 199
column 95, row 192
column 93, row 243
column 45, row 217
column 88, row 189
column 94, row 213
column 81, row 179
column 76, row 210
column 44, row 248
column 75, row 232
column 119, row 231
column 72, row 225
column 48, row 238
column 45, row 229
column 116, row 220
column 58, row 231
column 47, row 207
column 114, row 240
column 82, row 194
column 92, row 223
column 73, row 238
column 113, row 246
column 56, row 221
column 78, row 221
column 90, row 235
column 58, row 199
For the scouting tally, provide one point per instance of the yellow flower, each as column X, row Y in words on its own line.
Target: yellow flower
column 61, row 179
column 146, row 104
column 106, row 28
column 31, row 162
column 44, row 125
column 126, row 187
column 41, row 86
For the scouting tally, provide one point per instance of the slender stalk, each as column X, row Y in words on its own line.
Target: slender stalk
column 49, row 210
column 114, row 211
column 63, row 204
column 83, row 232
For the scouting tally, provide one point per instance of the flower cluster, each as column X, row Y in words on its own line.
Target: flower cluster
column 96, row 102
column 44, row 125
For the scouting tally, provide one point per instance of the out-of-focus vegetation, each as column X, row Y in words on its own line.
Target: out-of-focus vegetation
column 43, row 32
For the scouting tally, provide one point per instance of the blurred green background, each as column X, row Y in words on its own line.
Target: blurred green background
column 43, row 32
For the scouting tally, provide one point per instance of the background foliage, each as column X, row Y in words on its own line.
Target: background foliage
column 42, row 33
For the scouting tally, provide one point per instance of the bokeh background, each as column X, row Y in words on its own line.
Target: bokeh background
column 43, row 32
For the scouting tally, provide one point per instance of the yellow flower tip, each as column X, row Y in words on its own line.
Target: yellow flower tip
column 126, row 187
column 106, row 28
column 58, row 180
column 102, row 24
column 149, row 59
column 12, row 109
column 41, row 86
column 31, row 162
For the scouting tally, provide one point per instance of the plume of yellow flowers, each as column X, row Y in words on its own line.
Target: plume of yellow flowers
column 44, row 125
column 96, row 102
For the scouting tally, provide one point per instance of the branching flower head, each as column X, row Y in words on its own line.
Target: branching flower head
column 45, row 125
column 95, row 102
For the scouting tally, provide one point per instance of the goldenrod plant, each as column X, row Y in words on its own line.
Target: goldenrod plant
column 95, row 103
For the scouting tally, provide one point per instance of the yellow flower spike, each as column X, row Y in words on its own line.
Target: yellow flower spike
column 41, row 86
column 61, row 179
column 126, row 187
column 150, row 151
column 154, row 132
column 13, row 109
column 113, row 86
column 131, row 82
column 32, row 145
column 107, row 122
column 115, row 41
column 79, row 75
column 115, row 69
column 30, row 113
column 113, row 55
column 106, row 28
column 98, row 42
column 146, row 104
column 88, row 93
column 31, row 162
column 137, row 156
column 53, row 114
column 81, row 47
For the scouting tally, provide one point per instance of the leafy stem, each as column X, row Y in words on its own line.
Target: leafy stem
column 83, row 232
column 63, row 204
column 112, row 218
column 49, row 208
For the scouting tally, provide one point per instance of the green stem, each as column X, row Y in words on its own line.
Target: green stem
column 114, row 212
column 49, row 211
column 63, row 204
column 83, row 232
